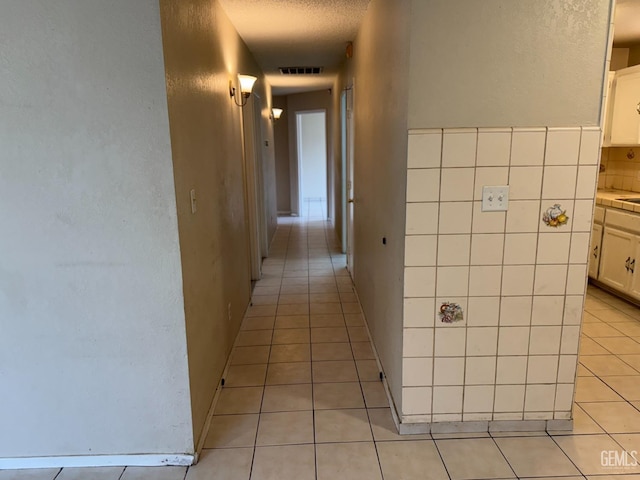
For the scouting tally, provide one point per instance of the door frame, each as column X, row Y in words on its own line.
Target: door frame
column 349, row 180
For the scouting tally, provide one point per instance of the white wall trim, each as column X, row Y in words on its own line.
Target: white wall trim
column 142, row 460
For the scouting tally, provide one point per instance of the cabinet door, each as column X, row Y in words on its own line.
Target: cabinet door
column 617, row 250
column 607, row 109
column 595, row 251
column 634, row 271
column 625, row 119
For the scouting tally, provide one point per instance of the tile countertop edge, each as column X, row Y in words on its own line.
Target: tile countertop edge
column 610, row 198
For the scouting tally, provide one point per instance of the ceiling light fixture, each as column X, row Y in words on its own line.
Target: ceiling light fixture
column 246, row 85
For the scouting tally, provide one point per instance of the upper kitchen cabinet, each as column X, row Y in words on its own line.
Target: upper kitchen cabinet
column 625, row 114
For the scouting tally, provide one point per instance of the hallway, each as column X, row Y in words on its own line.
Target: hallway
column 302, row 398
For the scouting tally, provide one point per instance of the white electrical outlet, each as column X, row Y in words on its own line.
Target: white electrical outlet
column 495, row 198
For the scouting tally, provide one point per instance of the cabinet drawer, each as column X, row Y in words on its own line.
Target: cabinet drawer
column 598, row 215
column 625, row 221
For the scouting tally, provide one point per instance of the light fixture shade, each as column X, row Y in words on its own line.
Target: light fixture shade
column 277, row 112
column 246, row 83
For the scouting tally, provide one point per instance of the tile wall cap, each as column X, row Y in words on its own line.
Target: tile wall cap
column 460, row 130
column 495, row 130
column 529, row 129
column 564, row 129
column 427, row 131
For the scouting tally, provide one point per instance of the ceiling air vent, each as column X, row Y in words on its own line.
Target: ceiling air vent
column 301, row 70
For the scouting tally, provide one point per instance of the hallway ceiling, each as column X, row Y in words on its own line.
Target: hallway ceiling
column 297, row 33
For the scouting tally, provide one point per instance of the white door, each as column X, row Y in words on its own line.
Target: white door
column 617, row 250
column 625, row 118
column 594, row 252
column 312, row 163
column 252, row 193
column 350, row 183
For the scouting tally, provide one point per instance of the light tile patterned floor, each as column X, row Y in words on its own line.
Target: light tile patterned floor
column 303, row 398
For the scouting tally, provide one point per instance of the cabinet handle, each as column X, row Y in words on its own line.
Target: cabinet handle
column 638, row 108
column 626, row 264
column 632, row 265
column 595, row 251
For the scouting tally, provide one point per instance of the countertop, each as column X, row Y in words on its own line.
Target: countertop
column 609, row 197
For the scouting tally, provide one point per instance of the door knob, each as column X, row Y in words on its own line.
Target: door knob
column 350, row 200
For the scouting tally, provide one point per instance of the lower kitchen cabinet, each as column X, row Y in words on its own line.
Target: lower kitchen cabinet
column 595, row 250
column 620, row 250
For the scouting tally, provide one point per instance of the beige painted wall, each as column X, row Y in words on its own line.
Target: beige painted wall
column 507, row 63
column 202, row 53
column 380, row 108
column 93, row 357
column 281, row 145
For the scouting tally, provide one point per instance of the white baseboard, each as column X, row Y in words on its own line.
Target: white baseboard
column 150, row 460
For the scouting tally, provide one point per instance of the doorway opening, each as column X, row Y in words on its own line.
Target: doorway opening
column 312, row 163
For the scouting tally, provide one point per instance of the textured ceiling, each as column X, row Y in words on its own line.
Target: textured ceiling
column 287, row 33
column 627, row 23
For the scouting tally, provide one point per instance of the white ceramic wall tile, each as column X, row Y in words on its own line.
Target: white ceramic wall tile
column 550, row 280
column 567, row 368
column 515, row 311
column 545, row 340
column 570, row 339
column 456, row 184
column 487, row 222
column 587, row 179
column 418, row 312
column 487, row 248
column 448, row 371
column 517, row 280
column 420, row 250
column 511, row 370
column 579, row 248
column 582, row 215
column 419, row 281
column 482, row 341
column 450, row 342
column 480, row 371
column 483, row 311
column 485, row 281
column 509, row 398
column 423, row 185
column 494, row 147
column 417, row 372
column 487, row 176
column 424, row 150
column 528, row 146
column 454, row 250
column 513, row 341
column 501, row 416
column 577, row 279
column 417, row 342
column 459, row 148
column 478, row 398
column 573, row 309
column 559, row 182
column 553, row 248
column 540, row 398
column 590, row 146
column 416, row 400
column 564, row 397
column 563, row 146
column 455, row 217
column 523, row 216
column 547, row 310
column 565, row 206
column 447, row 399
column 525, row 183
column 422, row 218
column 452, row 282
column 520, row 248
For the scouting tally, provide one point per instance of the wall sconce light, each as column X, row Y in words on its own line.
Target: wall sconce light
column 246, row 85
column 276, row 113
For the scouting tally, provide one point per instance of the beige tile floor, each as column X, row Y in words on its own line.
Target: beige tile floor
column 303, row 398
